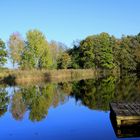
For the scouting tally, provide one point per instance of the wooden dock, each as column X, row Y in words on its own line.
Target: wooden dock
column 125, row 114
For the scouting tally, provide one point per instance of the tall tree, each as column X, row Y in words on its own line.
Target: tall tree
column 103, row 51
column 27, row 59
column 86, row 53
column 39, row 49
column 16, row 45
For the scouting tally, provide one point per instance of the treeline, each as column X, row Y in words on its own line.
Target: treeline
column 101, row 51
column 35, row 52
column 107, row 52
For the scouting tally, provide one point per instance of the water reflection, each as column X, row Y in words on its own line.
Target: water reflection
column 37, row 100
column 4, row 101
column 96, row 94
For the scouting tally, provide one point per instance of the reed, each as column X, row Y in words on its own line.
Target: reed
column 35, row 76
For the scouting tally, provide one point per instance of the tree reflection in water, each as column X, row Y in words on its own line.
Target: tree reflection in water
column 4, row 101
column 96, row 94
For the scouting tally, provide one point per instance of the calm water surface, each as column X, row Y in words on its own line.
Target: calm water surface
column 77, row 110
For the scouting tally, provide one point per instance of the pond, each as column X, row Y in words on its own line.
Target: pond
column 76, row 110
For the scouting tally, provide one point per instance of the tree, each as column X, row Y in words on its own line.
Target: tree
column 86, row 53
column 103, row 51
column 136, row 47
column 16, row 45
column 64, row 61
column 39, row 49
column 75, row 55
column 56, row 50
column 3, row 53
column 95, row 50
column 106, row 52
column 124, row 55
column 27, row 59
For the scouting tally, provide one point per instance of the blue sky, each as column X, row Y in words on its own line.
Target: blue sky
column 68, row 20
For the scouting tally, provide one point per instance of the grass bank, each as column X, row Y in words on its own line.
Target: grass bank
column 35, row 76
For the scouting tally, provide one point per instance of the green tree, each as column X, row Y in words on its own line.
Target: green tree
column 103, row 51
column 64, row 61
column 124, row 54
column 16, row 45
column 136, row 47
column 3, row 53
column 86, row 53
column 27, row 59
column 39, row 49
column 94, row 51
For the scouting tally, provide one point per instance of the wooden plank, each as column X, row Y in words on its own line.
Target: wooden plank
column 131, row 111
column 136, row 109
column 125, row 109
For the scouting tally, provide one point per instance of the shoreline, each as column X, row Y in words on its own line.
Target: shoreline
column 33, row 76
